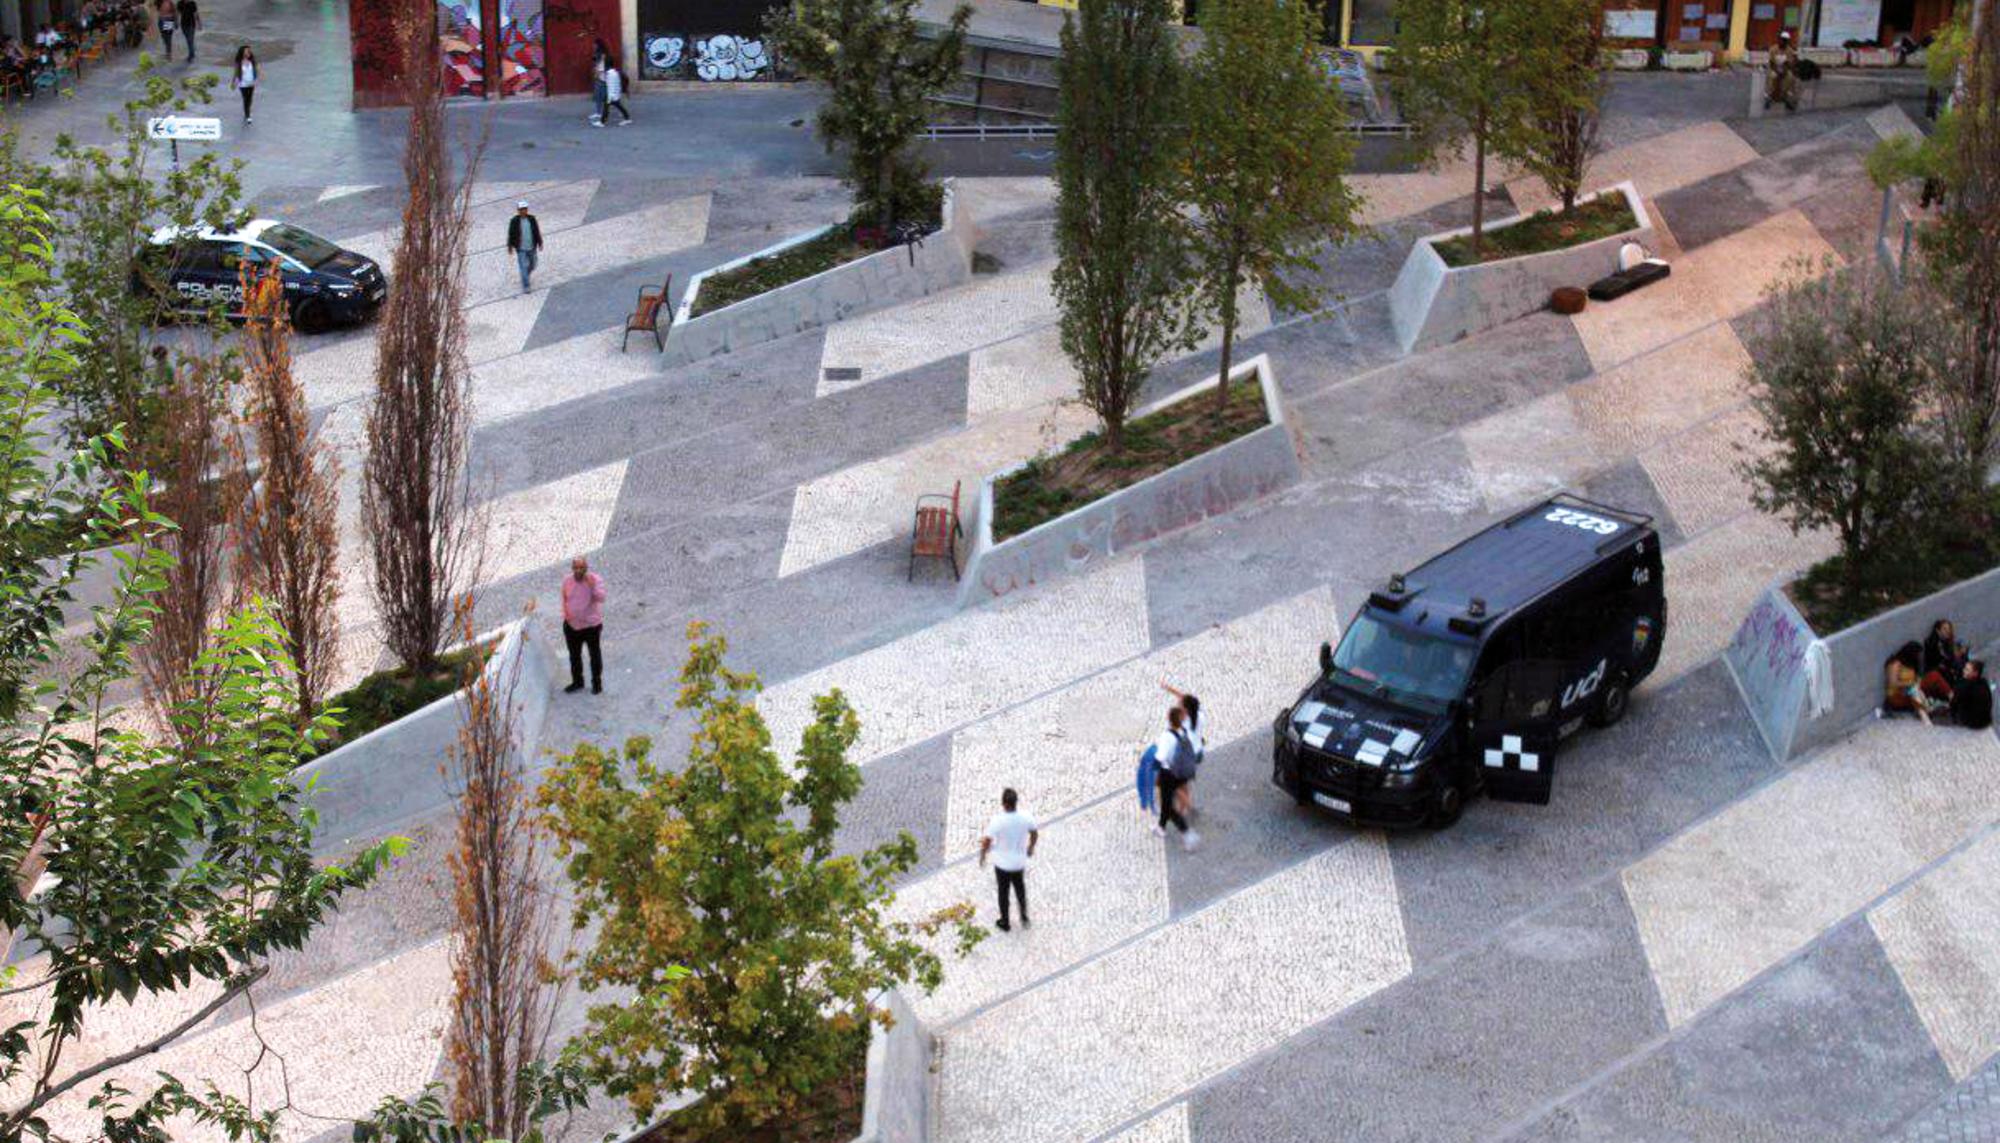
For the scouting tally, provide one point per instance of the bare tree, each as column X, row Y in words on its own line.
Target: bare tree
column 504, row 984
column 416, row 500
column 185, row 456
column 288, row 534
column 1967, row 251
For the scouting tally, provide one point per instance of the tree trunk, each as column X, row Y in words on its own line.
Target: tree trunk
column 885, row 185
column 1228, row 332
column 1479, row 183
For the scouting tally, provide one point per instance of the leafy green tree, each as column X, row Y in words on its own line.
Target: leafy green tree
column 1566, row 99
column 1122, row 260
column 110, row 201
column 1464, row 71
column 544, row 1090
column 167, row 863
column 881, row 69
column 1842, row 373
column 730, row 867
column 1266, row 158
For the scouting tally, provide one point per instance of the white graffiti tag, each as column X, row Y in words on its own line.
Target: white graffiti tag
column 663, row 53
column 723, row 58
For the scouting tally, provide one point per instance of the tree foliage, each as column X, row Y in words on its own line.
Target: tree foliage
column 1122, row 259
column 730, row 868
column 1566, row 98
column 1266, row 158
column 1842, row 376
column 1465, row 72
column 167, row 864
column 880, row 68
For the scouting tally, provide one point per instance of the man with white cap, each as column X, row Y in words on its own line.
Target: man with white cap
column 524, row 238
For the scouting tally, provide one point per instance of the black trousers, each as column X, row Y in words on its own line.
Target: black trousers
column 249, row 93
column 578, row 640
column 1170, row 786
column 1018, row 878
column 618, row 103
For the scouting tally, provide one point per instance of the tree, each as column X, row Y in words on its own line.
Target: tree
column 1964, row 251
column 503, row 984
column 880, row 69
column 1566, row 99
column 1266, row 157
column 1121, row 275
column 167, row 866
column 1464, row 70
column 287, row 522
column 730, row 867
column 416, row 497
column 110, row 201
column 196, row 492
column 1841, row 375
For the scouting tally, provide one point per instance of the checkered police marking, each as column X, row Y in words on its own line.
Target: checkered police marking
column 1511, row 756
column 1315, row 721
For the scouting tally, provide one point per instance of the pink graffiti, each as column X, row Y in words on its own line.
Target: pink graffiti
column 1770, row 630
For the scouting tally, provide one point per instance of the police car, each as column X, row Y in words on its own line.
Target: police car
column 325, row 284
column 1461, row 676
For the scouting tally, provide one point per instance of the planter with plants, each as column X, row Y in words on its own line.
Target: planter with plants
column 1447, row 291
column 388, row 763
column 1183, row 461
column 820, row 277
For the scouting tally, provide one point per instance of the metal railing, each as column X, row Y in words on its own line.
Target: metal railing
column 984, row 131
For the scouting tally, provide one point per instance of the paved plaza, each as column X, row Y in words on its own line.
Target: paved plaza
column 1691, row 942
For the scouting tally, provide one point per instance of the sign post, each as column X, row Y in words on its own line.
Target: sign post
column 174, row 128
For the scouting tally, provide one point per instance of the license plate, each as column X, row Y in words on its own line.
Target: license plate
column 1333, row 803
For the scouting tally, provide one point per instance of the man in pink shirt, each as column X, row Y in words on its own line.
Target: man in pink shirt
column 583, row 624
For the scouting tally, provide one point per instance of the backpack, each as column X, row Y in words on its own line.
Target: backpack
column 1187, row 760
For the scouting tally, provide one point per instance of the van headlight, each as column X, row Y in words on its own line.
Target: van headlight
column 343, row 289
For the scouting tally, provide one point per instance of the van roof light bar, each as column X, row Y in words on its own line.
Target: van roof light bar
column 1397, row 592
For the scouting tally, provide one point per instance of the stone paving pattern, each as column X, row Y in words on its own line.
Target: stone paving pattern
column 1690, row 943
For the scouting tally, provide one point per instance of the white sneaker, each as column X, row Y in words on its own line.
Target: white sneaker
column 1159, row 830
column 597, row 122
column 1190, row 841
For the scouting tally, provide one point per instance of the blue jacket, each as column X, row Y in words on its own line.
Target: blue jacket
column 1148, row 780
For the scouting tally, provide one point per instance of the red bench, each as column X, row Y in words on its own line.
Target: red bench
column 646, row 319
column 936, row 529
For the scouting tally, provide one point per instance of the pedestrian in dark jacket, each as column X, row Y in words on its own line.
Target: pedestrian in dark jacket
column 524, row 238
column 190, row 13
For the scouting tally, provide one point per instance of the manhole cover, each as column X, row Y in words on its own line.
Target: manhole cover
column 844, row 373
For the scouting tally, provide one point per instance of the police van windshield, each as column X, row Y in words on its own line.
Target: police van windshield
column 301, row 245
column 1405, row 667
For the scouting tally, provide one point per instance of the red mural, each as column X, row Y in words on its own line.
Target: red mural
column 487, row 47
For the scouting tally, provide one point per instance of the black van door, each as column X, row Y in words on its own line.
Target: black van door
column 1513, row 731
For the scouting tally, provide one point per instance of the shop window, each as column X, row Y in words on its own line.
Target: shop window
column 1372, row 23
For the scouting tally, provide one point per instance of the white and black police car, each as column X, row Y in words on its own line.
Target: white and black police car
column 1460, row 676
column 326, row 286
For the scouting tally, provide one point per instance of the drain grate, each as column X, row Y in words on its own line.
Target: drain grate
column 843, row 373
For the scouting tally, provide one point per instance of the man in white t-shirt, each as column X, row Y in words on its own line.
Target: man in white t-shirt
column 1010, row 841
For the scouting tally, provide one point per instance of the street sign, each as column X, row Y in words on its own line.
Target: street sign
column 182, row 128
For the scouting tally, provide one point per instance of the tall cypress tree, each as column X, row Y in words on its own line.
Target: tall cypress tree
column 1122, row 256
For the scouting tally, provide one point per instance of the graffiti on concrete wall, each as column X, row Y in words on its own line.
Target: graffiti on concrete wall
column 712, row 57
column 521, row 52
column 1772, row 638
column 462, row 44
column 664, row 56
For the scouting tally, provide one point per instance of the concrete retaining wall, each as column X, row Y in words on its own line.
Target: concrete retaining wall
column 882, row 279
column 1768, row 658
column 397, row 773
column 898, row 1105
column 1194, row 490
column 1434, row 304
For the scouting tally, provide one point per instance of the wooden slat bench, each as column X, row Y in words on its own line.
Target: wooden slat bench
column 646, row 318
column 936, row 530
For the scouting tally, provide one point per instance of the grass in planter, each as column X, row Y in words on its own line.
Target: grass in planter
column 836, row 247
column 1820, row 600
column 1543, row 231
column 832, row 1114
column 386, row 696
column 1088, row 470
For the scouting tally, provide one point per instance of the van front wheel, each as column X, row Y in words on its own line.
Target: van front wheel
column 1446, row 805
column 1611, row 708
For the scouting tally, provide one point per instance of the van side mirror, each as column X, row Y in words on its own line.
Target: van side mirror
column 1326, row 658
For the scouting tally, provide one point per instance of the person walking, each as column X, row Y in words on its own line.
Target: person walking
column 614, row 95
column 597, row 90
column 169, row 22
column 524, row 238
column 1172, row 748
column 1188, row 764
column 1010, row 840
column 190, row 14
column 245, row 78
column 583, row 624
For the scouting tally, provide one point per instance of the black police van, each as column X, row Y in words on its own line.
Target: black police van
column 1460, row 676
column 325, row 284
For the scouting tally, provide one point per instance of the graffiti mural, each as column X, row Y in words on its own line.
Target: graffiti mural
column 462, row 46
column 726, row 58
column 664, row 55
column 521, row 50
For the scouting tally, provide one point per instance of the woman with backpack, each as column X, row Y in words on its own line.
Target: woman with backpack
column 1175, row 754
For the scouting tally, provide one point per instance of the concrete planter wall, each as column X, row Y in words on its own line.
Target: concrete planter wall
column 1769, row 658
column 1629, row 59
column 1687, row 61
column 1216, row 482
column 396, row 773
column 898, row 1105
column 882, row 279
column 1825, row 57
column 1433, row 304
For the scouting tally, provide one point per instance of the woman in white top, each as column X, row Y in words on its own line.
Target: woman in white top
column 1168, row 751
column 245, row 79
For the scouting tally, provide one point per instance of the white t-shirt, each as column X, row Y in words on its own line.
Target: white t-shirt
column 1166, row 748
column 1009, row 831
column 246, row 75
column 614, row 84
